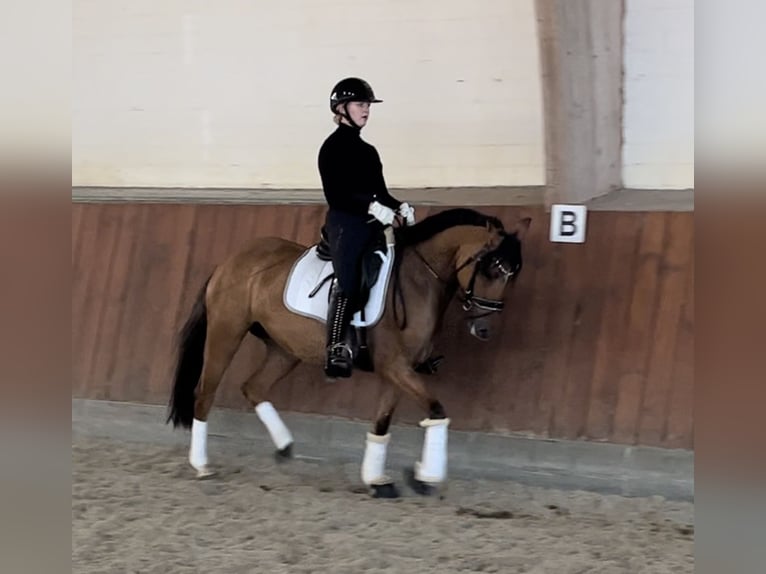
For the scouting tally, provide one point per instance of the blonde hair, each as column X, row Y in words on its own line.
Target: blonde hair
column 337, row 118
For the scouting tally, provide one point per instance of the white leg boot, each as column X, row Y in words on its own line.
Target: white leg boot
column 374, row 467
column 198, row 449
column 278, row 431
column 374, row 462
column 432, row 468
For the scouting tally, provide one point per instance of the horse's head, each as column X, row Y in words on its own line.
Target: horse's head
column 485, row 269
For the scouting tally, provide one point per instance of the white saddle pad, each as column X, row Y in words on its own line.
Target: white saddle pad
column 309, row 271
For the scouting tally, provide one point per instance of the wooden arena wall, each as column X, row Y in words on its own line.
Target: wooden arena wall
column 596, row 342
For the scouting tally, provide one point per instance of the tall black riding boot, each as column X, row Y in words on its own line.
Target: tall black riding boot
column 339, row 359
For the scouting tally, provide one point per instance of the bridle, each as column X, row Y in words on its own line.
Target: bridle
column 468, row 297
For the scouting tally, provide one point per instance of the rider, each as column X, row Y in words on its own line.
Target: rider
column 360, row 206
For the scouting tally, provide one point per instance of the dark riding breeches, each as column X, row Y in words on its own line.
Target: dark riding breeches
column 349, row 237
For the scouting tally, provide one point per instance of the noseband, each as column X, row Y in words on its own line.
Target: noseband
column 468, row 297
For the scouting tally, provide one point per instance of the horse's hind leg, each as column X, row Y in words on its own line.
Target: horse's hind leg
column 223, row 340
column 276, row 366
column 374, row 461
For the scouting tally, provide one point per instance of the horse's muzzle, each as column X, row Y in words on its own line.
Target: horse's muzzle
column 480, row 328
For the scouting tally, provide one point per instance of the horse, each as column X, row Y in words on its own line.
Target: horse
column 457, row 252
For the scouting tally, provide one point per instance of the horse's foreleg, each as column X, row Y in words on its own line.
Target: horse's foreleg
column 376, row 446
column 431, row 470
column 223, row 340
column 276, row 366
column 405, row 378
column 386, row 408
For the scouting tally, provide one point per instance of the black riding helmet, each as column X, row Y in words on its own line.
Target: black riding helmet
column 351, row 90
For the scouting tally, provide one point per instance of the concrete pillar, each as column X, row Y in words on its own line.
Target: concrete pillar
column 581, row 60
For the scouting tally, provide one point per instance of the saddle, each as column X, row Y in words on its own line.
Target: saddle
column 307, row 293
column 371, row 263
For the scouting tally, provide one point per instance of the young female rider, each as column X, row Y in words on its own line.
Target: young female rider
column 360, row 206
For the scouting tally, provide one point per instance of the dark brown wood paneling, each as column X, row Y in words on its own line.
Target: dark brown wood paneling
column 596, row 341
column 118, row 286
column 677, row 251
column 634, row 357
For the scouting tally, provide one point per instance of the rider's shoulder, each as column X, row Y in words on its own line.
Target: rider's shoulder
column 334, row 138
column 330, row 142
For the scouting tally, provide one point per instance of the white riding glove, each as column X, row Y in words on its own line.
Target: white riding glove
column 408, row 213
column 382, row 213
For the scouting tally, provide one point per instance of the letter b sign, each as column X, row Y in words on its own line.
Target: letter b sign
column 568, row 223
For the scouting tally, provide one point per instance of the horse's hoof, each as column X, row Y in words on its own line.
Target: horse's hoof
column 384, row 491
column 420, row 487
column 205, row 472
column 284, row 454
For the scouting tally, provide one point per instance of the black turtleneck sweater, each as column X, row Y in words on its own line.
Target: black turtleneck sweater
column 352, row 173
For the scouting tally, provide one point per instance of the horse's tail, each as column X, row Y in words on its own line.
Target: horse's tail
column 191, row 352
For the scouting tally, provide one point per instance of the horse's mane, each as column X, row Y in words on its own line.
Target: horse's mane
column 442, row 221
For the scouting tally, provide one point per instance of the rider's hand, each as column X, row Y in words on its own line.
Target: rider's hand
column 408, row 213
column 384, row 214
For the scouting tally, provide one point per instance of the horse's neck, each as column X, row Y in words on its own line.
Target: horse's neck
column 441, row 250
column 436, row 260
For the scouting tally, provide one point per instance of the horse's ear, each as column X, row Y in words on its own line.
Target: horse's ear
column 522, row 226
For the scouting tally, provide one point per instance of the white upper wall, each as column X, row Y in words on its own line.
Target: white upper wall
column 234, row 93
column 658, row 124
